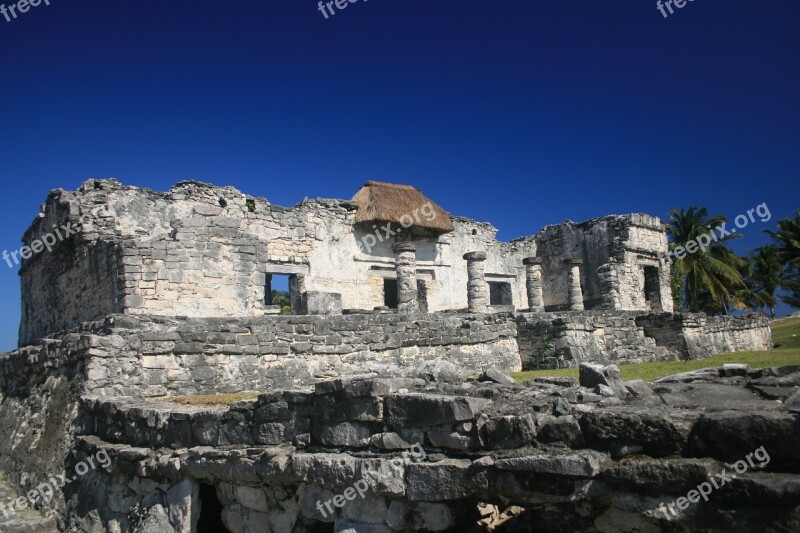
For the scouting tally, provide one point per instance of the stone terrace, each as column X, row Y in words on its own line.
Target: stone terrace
column 551, row 454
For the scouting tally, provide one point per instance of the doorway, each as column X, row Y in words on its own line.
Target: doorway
column 390, row 293
column 210, row 520
column 652, row 288
column 500, row 293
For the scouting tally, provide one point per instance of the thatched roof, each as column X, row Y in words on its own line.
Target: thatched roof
column 401, row 204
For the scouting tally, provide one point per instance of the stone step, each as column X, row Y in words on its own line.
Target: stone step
column 21, row 520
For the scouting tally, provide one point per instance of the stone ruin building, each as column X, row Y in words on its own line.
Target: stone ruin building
column 394, row 301
column 204, row 251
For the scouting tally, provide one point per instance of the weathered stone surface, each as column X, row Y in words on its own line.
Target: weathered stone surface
column 580, row 463
column 370, row 509
column 308, row 496
column 622, row 431
column 730, row 436
column 431, row 410
column 443, row 438
column 156, row 520
column 793, row 401
column 346, row 526
column 451, row 479
column 637, row 388
column 660, row 476
column 496, row 376
column 479, row 441
column 592, row 375
column 252, row 498
column 558, row 381
column 423, row 516
column 732, row 370
column 711, row 396
column 343, row 434
column 441, row 370
column 389, row 441
column 563, row 429
column 509, row 432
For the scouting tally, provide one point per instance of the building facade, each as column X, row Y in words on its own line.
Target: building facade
column 205, row 251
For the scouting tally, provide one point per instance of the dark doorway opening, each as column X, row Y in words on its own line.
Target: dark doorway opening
column 390, row 293
column 422, row 295
column 500, row 293
column 652, row 288
column 210, row 520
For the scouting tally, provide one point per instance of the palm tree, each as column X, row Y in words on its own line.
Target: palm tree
column 793, row 286
column 788, row 237
column 282, row 298
column 763, row 275
column 788, row 242
column 711, row 274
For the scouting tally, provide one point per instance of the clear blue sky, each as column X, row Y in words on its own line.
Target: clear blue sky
column 522, row 113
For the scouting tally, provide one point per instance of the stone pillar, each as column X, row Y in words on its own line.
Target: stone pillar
column 477, row 290
column 533, row 282
column 608, row 275
column 297, row 287
column 405, row 257
column 575, row 293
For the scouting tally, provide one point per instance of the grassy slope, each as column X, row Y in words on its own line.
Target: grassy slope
column 785, row 334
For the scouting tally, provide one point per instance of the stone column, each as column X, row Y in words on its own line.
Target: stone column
column 608, row 276
column 477, row 290
column 575, row 293
column 405, row 257
column 297, row 287
column 533, row 282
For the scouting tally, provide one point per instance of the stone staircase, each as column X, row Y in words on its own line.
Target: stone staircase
column 22, row 521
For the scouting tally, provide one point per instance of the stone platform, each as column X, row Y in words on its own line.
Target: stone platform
column 434, row 453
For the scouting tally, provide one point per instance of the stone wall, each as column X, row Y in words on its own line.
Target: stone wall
column 40, row 387
column 132, row 355
column 563, row 340
column 81, row 278
column 697, row 335
column 135, row 355
column 407, row 454
column 204, row 251
column 618, row 246
column 207, row 356
column 143, row 356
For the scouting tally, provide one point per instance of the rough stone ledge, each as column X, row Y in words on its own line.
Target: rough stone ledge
column 599, row 455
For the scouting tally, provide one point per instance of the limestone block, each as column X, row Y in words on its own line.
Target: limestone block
column 343, row 434
column 252, row 498
column 431, row 410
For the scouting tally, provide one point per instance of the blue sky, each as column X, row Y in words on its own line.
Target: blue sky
column 522, row 113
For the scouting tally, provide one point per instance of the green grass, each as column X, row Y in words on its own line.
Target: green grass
column 785, row 334
column 213, row 399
